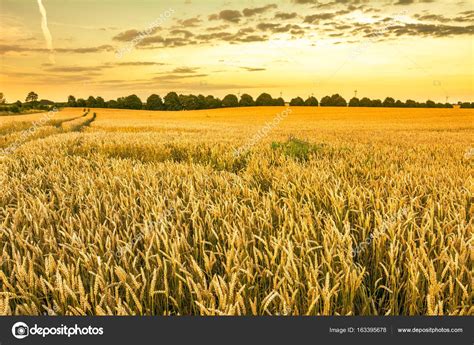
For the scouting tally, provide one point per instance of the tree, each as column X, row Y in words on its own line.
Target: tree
column 399, row 104
column 311, row 102
column 71, row 101
column 264, row 100
column 91, row 102
column 365, row 102
column 388, row 102
column 335, row 100
column 354, row 102
column 31, row 97
column 230, row 101
column 325, row 101
column 376, row 103
column 430, row 104
column 112, row 104
column 189, row 102
column 279, row 102
column 18, row 104
column 171, row 101
column 297, row 102
column 2, row 98
column 100, row 102
column 201, row 100
column 246, row 101
column 81, row 102
column 132, row 102
column 212, row 102
column 411, row 103
column 154, row 102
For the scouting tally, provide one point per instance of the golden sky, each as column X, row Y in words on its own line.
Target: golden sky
column 418, row 49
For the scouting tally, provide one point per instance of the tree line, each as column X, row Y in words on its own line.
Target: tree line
column 173, row 101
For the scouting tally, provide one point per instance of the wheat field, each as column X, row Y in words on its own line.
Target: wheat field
column 332, row 211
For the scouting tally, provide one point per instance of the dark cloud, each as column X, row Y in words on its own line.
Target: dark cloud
column 126, row 36
column 130, row 35
column 140, row 63
column 253, row 69
column 5, row 48
column 248, row 12
column 190, row 22
column 185, row 70
column 278, row 28
column 284, row 16
column 431, row 30
column 227, row 15
column 315, row 18
column 76, row 69
column 185, row 33
column 217, row 28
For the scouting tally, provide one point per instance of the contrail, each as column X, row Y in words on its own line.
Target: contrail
column 46, row 33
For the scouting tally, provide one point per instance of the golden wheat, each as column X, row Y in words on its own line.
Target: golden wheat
column 151, row 213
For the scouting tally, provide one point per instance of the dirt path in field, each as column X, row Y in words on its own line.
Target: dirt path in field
column 23, row 134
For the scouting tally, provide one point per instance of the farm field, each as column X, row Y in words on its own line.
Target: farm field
column 329, row 211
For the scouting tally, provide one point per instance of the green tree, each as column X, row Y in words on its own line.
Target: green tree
column 264, row 100
column 71, row 101
column 297, row 102
column 154, row 102
column 325, row 101
column 246, row 101
column 112, row 104
column 171, row 102
column 354, row 102
column 376, row 103
column 212, row 102
column 189, row 102
column 388, row 102
column 132, row 102
column 100, row 102
column 2, row 98
column 230, row 101
column 311, row 102
column 32, row 97
column 91, row 102
column 365, row 102
column 81, row 102
column 279, row 102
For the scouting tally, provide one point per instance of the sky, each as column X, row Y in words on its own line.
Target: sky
column 406, row 49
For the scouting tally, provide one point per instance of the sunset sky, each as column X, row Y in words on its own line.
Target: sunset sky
column 401, row 48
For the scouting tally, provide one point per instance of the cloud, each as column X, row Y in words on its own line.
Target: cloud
column 185, row 33
column 190, row 22
column 76, row 69
column 404, row 2
column 314, row 18
column 130, row 35
column 253, row 69
column 227, row 15
column 6, row 48
column 140, row 63
column 248, row 12
column 431, row 30
column 126, row 36
column 284, row 16
column 185, row 70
